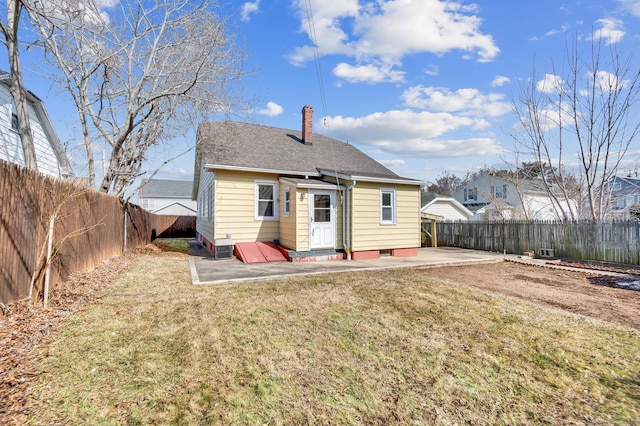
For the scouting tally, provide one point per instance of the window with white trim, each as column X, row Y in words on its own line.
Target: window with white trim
column 286, row 203
column 266, row 200
column 147, row 204
column 387, row 206
column 210, row 202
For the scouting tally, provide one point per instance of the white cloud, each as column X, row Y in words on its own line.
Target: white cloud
column 85, row 11
column 367, row 73
column 608, row 82
column 563, row 29
column 411, row 133
column 391, row 163
column 467, row 102
column 441, row 148
column 248, row 8
column 106, row 4
column 500, row 81
column 632, row 6
column 432, row 70
column 551, row 83
column 612, row 31
column 272, row 110
column 386, row 31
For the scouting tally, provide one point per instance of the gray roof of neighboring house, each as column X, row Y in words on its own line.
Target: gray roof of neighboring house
column 251, row 146
column 165, row 188
column 526, row 185
column 628, row 185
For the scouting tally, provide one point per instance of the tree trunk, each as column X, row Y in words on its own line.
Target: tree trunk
column 17, row 90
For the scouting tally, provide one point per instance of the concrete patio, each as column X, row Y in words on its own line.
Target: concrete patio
column 207, row 270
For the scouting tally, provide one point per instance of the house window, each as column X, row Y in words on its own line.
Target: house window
column 470, row 194
column 287, row 202
column 209, row 201
column 498, row 191
column 147, row 204
column 387, row 206
column 266, row 202
column 15, row 125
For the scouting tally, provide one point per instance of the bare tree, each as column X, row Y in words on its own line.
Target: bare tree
column 446, row 184
column 9, row 30
column 141, row 74
column 582, row 113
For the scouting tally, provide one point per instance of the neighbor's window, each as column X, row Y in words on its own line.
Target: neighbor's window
column 15, row 125
column 470, row 194
column 387, row 206
column 287, row 202
column 147, row 204
column 266, row 202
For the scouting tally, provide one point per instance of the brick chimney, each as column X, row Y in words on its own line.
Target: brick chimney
column 307, row 124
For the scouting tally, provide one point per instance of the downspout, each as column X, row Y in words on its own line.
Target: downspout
column 346, row 233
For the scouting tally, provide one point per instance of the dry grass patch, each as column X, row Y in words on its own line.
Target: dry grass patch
column 384, row 347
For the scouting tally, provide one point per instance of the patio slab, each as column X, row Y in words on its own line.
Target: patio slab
column 207, row 270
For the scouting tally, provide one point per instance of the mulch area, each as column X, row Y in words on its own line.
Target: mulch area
column 25, row 325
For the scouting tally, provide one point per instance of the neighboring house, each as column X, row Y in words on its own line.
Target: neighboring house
column 51, row 158
column 447, row 207
column 307, row 192
column 169, row 197
column 494, row 198
column 624, row 193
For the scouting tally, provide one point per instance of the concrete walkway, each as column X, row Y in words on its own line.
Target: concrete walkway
column 206, row 270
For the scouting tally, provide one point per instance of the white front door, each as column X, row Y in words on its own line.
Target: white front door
column 322, row 212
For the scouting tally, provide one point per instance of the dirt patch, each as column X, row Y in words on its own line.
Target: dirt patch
column 598, row 296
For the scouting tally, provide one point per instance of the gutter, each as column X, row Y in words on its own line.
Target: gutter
column 346, row 216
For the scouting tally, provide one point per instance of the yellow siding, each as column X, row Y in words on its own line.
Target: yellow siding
column 302, row 219
column 234, row 208
column 339, row 243
column 369, row 234
column 288, row 224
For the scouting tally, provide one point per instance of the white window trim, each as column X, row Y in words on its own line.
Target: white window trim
column 210, row 202
column 286, row 206
column 275, row 199
column 394, row 208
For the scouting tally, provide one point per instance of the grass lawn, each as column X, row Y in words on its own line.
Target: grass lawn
column 384, row 347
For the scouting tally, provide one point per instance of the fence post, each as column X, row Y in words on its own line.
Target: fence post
column 124, row 242
column 47, row 272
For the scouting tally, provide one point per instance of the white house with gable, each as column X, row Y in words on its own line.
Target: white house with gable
column 169, row 197
column 494, row 198
column 447, row 207
column 51, row 158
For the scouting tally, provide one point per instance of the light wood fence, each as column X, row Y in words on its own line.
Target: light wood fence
column 88, row 228
column 616, row 241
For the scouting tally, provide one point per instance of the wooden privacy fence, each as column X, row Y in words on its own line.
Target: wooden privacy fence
column 616, row 241
column 88, row 227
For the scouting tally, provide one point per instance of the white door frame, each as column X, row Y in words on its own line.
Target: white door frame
column 331, row 225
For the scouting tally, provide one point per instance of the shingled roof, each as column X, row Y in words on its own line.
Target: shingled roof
column 230, row 144
column 165, row 188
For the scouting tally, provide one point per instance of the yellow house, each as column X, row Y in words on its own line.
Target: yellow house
column 314, row 196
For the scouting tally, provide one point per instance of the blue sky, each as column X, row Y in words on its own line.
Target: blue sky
column 422, row 86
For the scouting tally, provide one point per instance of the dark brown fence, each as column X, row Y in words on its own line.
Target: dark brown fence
column 88, row 228
column 617, row 241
